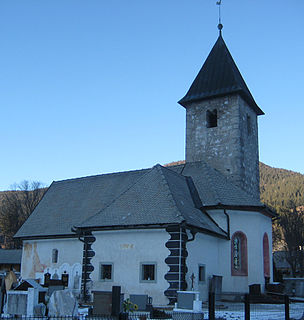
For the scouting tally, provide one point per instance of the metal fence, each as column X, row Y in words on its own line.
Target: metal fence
column 124, row 316
column 250, row 308
column 255, row 308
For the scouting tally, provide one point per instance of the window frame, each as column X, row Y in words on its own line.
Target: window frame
column 141, row 270
column 101, row 264
column 201, row 265
column 55, row 255
column 266, row 256
column 243, row 252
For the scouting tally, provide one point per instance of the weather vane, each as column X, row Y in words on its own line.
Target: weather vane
column 220, row 26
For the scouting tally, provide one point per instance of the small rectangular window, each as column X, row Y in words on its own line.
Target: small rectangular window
column 201, row 273
column 106, row 271
column 211, row 118
column 54, row 256
column 148, row 272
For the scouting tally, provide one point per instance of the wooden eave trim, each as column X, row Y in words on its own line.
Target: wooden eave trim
column 262, row 209
column 158, row 226
column 130, row 227
column 55, row 236
column 121, row 227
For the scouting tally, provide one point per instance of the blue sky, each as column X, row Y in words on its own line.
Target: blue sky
column 91, row 86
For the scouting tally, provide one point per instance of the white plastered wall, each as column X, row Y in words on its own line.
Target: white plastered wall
column 37, row 259
column 126, row 250
column 215, row 253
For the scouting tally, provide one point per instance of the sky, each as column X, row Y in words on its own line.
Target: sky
column 91, row 86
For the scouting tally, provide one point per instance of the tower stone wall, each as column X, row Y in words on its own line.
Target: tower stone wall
column 231, row 146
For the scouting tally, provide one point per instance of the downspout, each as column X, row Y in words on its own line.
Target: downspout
column 228, row 223
column 186, row 241
column 180, row 260
column 193, row 236
column 85, row 273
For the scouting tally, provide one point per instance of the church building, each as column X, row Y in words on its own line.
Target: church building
column 167, row 228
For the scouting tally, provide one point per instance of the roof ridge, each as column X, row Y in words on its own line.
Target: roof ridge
column 161, row 168
column 180, row 175
column 99, row 175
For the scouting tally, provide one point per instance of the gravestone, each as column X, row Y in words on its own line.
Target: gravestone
column 102, row 302
column 62, row 303
column 188, row 306
column 17, row 303
column 22, row 302
column 141, row 300
column 185, row 299
column 116, row 303
column 39, row 310
column 216, row 286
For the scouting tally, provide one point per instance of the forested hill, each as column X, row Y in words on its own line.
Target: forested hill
column 281, row 188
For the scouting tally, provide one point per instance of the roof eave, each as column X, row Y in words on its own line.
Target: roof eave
column 51, row 236
column 262, row 209
column 184, row 102
column 123, row 227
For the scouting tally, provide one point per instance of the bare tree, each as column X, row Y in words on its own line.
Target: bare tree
column 291, row 224
column 16, row 207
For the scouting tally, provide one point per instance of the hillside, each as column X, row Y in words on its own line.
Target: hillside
column 281, row 188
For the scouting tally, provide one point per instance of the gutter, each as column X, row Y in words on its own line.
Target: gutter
column 262, row 209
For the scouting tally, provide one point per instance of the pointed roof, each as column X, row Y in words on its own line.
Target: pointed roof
column 219, row 76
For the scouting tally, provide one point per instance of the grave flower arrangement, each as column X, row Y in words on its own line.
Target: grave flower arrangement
column 129, row 306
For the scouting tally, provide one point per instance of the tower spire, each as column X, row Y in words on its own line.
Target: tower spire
column 219, row 26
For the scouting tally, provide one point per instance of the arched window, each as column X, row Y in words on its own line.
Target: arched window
column 54, row 256
column 266, row 260
column 239, row 265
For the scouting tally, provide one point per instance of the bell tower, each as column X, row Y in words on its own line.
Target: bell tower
column 221, row 120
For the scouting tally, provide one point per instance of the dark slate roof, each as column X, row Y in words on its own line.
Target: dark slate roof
column 69, row 202
column 145, row 197
column 214, row 188
column 219, row 76
column 10, row 256
column 160, row 196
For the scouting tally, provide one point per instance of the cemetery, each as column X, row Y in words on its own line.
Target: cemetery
column 29, row 299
